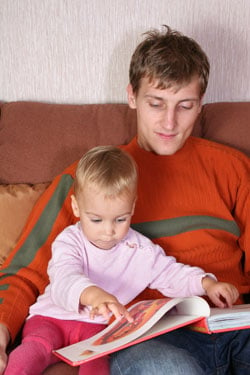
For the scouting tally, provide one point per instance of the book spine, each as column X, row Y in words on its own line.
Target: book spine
column 200, row 326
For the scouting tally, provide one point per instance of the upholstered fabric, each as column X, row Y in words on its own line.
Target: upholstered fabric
column 227, row 123
column 39, row 140
column 16, row 202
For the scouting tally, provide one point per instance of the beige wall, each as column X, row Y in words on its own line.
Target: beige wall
column 78, row 51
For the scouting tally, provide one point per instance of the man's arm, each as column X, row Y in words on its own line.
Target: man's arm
column 4, row 341
column 23, row 276
column 242, row 216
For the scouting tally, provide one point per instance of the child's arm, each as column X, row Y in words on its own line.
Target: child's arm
column 221, row 294
column 103, row 303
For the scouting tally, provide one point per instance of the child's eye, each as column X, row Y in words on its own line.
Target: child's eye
column 121, row 219
column 96, row 220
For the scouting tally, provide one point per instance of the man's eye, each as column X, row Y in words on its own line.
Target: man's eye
column 155, row 105
column 186, row 106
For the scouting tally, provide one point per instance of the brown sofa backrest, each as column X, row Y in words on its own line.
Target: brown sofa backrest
column 227, row 123
column 39, row 140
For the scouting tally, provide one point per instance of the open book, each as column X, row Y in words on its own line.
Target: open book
column 153, row 318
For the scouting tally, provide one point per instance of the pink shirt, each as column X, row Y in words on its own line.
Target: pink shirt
column 124, row 271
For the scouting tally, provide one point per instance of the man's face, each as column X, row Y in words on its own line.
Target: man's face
column 165, row 117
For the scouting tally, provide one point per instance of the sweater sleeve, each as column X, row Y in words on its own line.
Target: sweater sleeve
column 68, row 270
column 174, row 279
column 242, row 215
column 23, row 276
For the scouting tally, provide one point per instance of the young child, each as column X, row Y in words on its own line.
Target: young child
column 99, row 265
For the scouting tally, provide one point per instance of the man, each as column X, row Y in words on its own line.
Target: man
column 193, row 200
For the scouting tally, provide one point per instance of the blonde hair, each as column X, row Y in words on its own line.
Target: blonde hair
column 110, row 169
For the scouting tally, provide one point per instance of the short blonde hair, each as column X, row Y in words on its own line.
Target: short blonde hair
column 110, row 169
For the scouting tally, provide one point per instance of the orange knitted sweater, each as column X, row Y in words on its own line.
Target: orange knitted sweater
column 195, row 204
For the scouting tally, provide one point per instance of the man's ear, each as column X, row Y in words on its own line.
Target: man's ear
column 131, row 97
column 201, row 104
column 75, row 207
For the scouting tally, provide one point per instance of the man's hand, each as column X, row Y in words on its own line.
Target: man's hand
column 103, row 304
column 221, row 294
column 4, row 340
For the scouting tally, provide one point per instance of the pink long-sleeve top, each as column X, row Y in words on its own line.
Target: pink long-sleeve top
column 124, row 271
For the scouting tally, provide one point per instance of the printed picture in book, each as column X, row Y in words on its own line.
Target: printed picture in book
column 141, row 313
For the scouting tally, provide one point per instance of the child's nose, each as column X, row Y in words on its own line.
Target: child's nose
column 109, row 228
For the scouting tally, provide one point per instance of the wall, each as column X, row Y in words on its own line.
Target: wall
column 78, row 51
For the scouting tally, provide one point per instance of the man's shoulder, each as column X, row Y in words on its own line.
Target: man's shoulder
column 130, row 146
column 71, row 169
column 208, row 147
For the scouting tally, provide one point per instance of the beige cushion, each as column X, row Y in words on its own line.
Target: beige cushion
column 16, row 202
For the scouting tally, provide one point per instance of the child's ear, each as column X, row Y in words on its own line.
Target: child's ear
column 75, row 207
column 133, row 208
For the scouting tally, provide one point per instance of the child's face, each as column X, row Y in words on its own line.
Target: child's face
column 105, row 221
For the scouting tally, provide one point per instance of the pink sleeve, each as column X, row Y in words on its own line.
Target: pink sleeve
column 175, row 279
column 66, row 272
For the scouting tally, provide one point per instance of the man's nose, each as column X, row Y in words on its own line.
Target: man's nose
column 169, row 119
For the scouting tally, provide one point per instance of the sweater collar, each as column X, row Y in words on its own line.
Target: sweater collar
column 181, row 155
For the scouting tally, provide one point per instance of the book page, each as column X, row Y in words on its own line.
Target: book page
column 238, row 316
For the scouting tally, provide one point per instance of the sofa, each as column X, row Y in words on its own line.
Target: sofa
column 38, row 140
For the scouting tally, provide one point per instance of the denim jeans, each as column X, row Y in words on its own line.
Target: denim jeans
column 186, row 352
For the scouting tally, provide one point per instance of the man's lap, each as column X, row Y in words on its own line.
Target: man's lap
column 185, row 351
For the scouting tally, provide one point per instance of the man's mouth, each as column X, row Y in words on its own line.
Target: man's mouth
column 166, row 136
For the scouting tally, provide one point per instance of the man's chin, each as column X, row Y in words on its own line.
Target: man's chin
column 165, row 151
column 166, row 148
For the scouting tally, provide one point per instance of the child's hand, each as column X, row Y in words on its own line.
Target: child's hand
column 221, row 294
column 116, row 308
column 103, row 304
